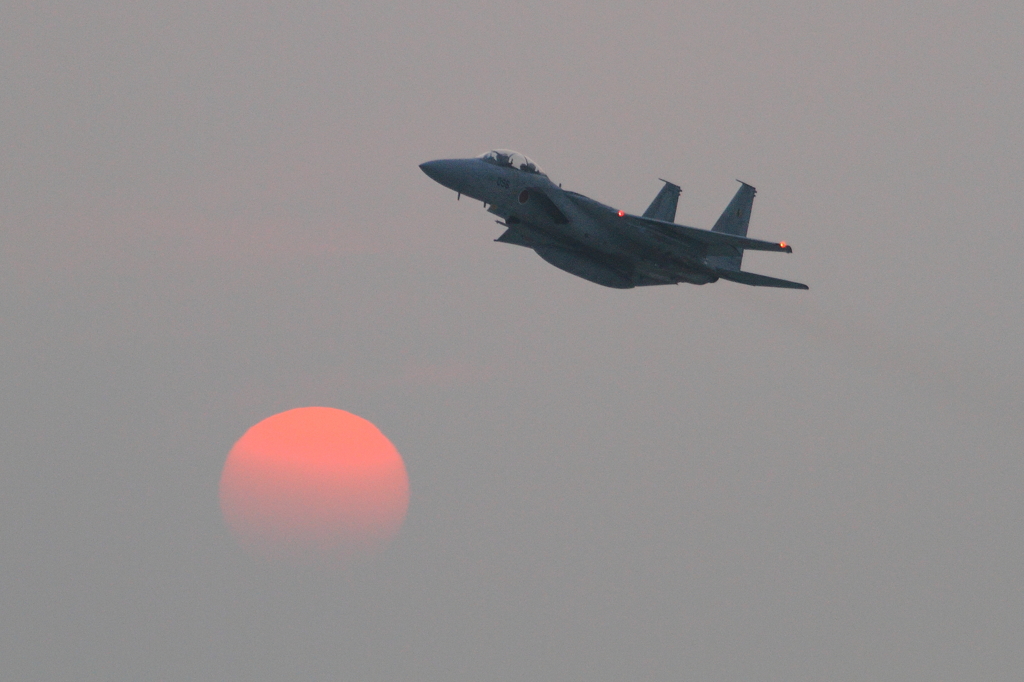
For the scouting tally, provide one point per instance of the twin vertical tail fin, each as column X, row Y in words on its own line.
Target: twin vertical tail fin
column 734, row 220
column 664, row 205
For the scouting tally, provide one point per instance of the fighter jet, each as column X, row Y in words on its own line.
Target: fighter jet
column 605, row 245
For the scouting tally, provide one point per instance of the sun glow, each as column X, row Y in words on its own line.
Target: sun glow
column 314, row 482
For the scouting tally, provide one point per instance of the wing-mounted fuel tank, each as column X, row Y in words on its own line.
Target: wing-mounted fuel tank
column 583, row 266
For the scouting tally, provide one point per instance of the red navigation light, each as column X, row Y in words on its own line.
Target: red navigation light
column 782, row 244
column 622, row 213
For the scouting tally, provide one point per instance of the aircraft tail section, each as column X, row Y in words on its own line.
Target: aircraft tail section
column 755, row 280
column 664, row 205
column 734, row 220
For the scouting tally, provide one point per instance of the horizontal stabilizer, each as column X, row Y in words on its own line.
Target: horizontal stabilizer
column 755, row 280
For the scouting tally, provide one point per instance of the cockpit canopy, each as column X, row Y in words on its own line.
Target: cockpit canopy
column 507, row 157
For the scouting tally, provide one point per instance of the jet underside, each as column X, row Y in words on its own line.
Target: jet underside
column 602, row 251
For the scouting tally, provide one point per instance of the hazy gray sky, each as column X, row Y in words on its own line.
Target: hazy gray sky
column 212, row 212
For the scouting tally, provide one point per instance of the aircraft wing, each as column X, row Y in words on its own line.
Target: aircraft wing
column 756, row 280
column 717, row 243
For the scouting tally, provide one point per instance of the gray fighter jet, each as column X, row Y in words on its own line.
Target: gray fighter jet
column 602, row 244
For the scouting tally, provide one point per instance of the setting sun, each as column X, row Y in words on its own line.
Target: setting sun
column 314, row 482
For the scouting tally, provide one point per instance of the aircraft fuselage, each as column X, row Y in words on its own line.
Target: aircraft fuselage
column 585, row 237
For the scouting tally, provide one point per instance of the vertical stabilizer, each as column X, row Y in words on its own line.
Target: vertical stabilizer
column 664, row 205
column 734, row 220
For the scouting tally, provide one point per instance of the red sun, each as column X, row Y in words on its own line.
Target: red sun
column 314, row 483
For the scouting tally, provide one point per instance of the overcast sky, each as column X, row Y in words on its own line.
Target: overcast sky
column 211, row 212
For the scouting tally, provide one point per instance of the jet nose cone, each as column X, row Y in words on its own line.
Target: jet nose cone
column 448, row 172
column 434, row 170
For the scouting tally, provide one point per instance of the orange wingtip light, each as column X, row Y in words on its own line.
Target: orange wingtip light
column 622, row 213
column 782, row 244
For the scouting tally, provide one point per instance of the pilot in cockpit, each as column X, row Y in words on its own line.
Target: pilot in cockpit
column 511, row 159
